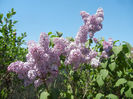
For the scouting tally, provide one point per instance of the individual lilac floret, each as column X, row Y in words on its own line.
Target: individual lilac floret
column 95, row 62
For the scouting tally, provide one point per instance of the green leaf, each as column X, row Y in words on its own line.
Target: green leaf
column 1, row 16
column 90, row 96
column 49, row 33
column 15, row 22
column 13, row 13
column 120, row 81
column 54, row 93
column 8, row 15
column 87, row 44
column 59, row 33
column 53, row 36
column 117, row 49
column 128, row 93
column 128, row 46
column 100, row 80
column 122, row 90
column 104, row 73
column 119, row 73
column 70, row 38
column 112, row 66
column 12, row 10
column 99, row 96
column 104, row 65
column 44, row 95
column 130, row 84
column 112, row 96
column 115, row 42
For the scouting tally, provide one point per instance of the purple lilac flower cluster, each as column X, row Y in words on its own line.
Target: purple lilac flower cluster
column 43, row 61
column 41, row 65
column 78, row 54
column 107, row 46
column 92, row 24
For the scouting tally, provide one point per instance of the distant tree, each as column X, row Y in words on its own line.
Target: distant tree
column 10, row 50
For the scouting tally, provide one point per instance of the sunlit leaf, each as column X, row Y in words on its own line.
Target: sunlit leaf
column 120, row 81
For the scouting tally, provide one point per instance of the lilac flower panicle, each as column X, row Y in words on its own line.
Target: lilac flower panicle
column 92, row 24
column 40, row 58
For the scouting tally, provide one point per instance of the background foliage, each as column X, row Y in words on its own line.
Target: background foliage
column 11, row 49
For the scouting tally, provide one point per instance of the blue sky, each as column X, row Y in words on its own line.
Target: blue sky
column 36, row 16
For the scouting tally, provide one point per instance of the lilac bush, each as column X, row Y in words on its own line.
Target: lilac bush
column 82, row 68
